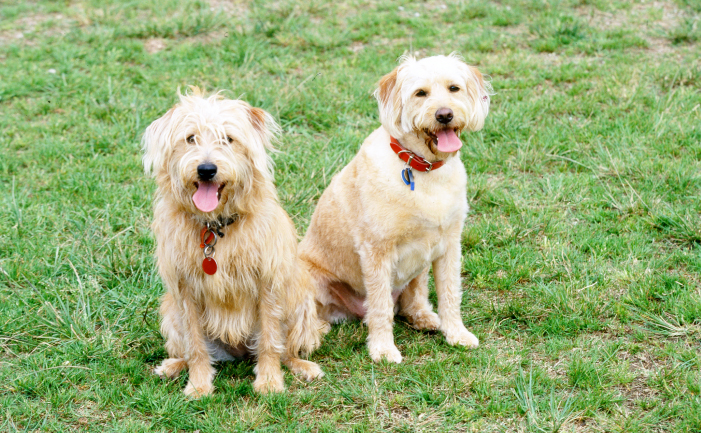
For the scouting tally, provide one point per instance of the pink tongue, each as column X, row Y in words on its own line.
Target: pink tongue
column 448, row 141
column 206, row 198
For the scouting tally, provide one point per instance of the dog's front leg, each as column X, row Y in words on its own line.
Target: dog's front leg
column 197, row 357
column 379, row 304
column 446, row 273
column 270, row 343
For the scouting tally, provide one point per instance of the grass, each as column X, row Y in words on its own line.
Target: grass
column 582, row 251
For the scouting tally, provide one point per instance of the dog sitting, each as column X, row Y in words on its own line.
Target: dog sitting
column 399, row 207
column 226, row 250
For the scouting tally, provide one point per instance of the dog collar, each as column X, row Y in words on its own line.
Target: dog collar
column 219, row 223
column 413, row 160
column 209, row 235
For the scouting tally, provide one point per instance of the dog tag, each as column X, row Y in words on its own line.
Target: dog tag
column 209, row 266
column 408, row 177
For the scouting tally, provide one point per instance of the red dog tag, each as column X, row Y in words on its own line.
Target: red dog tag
column 209, row 266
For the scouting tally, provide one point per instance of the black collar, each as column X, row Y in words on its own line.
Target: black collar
column 221, row 222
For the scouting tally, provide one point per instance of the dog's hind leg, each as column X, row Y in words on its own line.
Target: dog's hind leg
column 171, row 367
column 304, row 331
column 307, row 370
column 327, row 304
column 414, row 304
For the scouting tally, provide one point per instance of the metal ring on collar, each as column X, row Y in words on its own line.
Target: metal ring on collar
column 206, row 235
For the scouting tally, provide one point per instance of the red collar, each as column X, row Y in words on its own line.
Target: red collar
column 415, row 161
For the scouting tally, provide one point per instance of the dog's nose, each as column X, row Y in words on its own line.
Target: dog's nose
column 206, row 171
column 444, row 115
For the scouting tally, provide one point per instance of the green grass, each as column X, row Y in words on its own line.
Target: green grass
column 582, row 251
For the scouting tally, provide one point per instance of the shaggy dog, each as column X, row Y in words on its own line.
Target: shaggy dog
column 397, row 209
column 226, row 250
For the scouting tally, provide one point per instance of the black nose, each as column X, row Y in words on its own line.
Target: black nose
column 444, row 115
column 206, row 171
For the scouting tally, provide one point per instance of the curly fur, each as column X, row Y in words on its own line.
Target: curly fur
column 372, row 240
column 260, row 300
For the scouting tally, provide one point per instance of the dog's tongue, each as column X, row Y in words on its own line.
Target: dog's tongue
column 206, row 198
column 448, row 141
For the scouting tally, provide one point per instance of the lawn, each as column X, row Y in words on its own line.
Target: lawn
column 581, row 252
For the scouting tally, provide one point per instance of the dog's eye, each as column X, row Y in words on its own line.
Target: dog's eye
column 229, row 139
column 454, row 88
column 421, row 93
column 191, row 139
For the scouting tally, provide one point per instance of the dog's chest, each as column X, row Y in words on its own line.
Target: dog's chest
column 415, row 255
column 237, row 273
column 237, row 276
column 230, row 296
column 440, row 207
column 428, row 228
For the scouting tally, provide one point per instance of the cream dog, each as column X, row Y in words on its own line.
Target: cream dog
column 226, row 250
column 394, row 210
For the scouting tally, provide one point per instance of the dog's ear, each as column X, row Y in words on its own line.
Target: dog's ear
column 264, row 126
column 479, row 91
column 157, row 142
column 386, row 85
column 265, row 133
column 389, row 100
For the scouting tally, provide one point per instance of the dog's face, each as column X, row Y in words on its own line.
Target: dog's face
column 209, row 153
column 434, row 98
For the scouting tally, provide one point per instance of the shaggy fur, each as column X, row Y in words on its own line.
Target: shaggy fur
column 260, row 300
column 371, row 239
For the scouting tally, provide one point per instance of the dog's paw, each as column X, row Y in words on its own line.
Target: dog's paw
column 387, row 352
column 310, row 372
column 170, row 368
column 307, row 370
column 265, row 384
column 198, row 391
column 324, row 327
column 462, row 337
column 427, row 320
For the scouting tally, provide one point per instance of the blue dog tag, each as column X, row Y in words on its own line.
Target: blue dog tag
column 408, row 177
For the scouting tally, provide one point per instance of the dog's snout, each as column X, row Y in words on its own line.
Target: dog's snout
column 206, row 171
column 444, row 115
